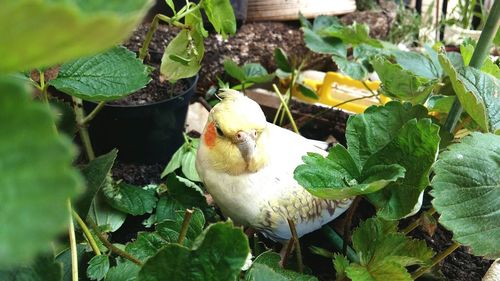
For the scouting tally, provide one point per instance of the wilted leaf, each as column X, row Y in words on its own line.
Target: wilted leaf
column 466, row 191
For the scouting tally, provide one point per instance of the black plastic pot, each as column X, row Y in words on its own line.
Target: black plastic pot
column 144, row 134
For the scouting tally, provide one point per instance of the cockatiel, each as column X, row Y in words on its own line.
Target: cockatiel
column 247, row 166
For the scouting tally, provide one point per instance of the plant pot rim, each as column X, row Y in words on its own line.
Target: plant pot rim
column 193, row 84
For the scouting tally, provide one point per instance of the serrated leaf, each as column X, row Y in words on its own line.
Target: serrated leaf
column 308, row 92
column 169, row 229
column 271, row 260
column 387, row 271
column 478, row 94
column 124, row 271
column 419, row 64
column 321, row 22
column 42, row 269
column 340, row 263
column 281, row 60
column 95, row 174
column 81, row 28
column 352, row 69
column 98, row 267
column 36, row 175
column 256, row 73
column 146, row 245
column 130, row 199
column 261, row 272
column 324, row 45
column 466, row 189
column 186, row 192
column 217, row 254
column 355, row 34
column 106, row 76
column 400, row 83
column 165, row 209
column 221, row 16
column 187, row 44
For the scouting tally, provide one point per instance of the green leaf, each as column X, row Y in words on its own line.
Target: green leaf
column 64, row 258
column 185, row 158
column 355, row 34
column 478, row 94
column 188, row 44
column 281, row 60
column 106, row 217
column 400, row 83
column 65, row 117
column 98, row 267
column 415, row 148
column 124, row 271
column 189, row 165
column 260, row 272
column 439, row 103
column 95, row 174
column 130, row 199
column 165, row 209
column 466, row 189
column 42, row 269
column 106, row 76
column 488, row 65
column 321, row 22
column 352, row 69
column 221, row 16
column 217, row 254
column 384, row 253
column 308, row 92
column 324, row 45
column 186, row 192
column 195, row 20
column 340, row 263
column 418, row 64
column 81, row 28
column 36, row 175
column 304, row 22
column 146, row 245
column 169, row 229
column 234, row 70
column 256, row 73
column 271, row 260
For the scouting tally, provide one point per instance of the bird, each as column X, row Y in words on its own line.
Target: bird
column 246, row 164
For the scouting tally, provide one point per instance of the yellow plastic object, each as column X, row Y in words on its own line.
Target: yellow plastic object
column 337, row 88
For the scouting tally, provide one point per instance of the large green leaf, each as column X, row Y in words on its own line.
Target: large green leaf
column 43, row 269
column 415, row 148
column 124, row 271
column 351, row 68
column 419, row 64
column 106, row 217
column 400, row 83
column 95, row 174
column 221, row 16
column 146, row 245
column 37, row 38
column 217, row 254
column 466, row 191
column 272, row 260
column 186, row 192
column 36, row 175
column 188, row 45
column 130, row 199
column 384, row 253
column 324, row 45
column 355, row 34
column 106, row 76
column 479, row 94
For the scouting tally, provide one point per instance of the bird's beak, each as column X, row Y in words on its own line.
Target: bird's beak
column 246, row 142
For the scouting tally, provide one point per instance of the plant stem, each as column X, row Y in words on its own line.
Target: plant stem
column 111, row 247
column 348, row 222
column 480, row 52
column 72, row 242
column 82, row 128
column 417, row 222
column 185, row 225
column 287, row 110
column 93, row 113
column 436, row 259
column 87, row 233
column 298, row 251
column 338, row 242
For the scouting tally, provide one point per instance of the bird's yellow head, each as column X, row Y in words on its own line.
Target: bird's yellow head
column 235, row 135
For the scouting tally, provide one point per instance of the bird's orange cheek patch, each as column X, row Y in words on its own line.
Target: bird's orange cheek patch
column 210, row 135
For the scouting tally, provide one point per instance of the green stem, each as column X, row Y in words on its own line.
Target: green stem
column 435, row 260
column 287, row 110
column 185, row 225
column 338, row 243
column 418, row 221
column 478, row 57
column 72, row 242
column 87, row 233
column 111, row 247
column 94, row 112
column 82, row 128
column 298, row 251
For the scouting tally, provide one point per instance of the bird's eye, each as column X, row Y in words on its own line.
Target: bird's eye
column 219, row 131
